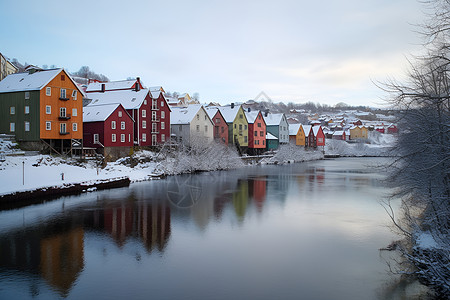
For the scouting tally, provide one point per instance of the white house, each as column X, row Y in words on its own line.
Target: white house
column 191, row 124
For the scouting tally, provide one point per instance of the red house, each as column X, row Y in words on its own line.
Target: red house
column 339, row 135
column 220, row 125
column 392, row 129
column 309, row 136
column 319, row 136
column 160, row 118
column 256, row 132
column 108, row 128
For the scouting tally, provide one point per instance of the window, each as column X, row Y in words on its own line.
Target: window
column 63, row 127
column 180, row 128
column 144, row 124
column 74, row 126
column 240, row 126
column 163, row 126
column 113, row 137
column 119, row 113
column 74, row 112
column 74, row 95
column 48, row 91
column 163, row 137
column 62, row 93
column 122, row 125
column 62, row 112
column 245, row 127
column 122, row 138
column 163, row 115
column 12, row 110
column 145, row 101
column 205, row 117
column 154, row 140
column 264, row 142
column 12, row 127
column 154, row 116
column 241, row 116
column 48, row 109
column 113, row 124
column 154, row 127
column 154, row 104
column 27, row 109
column 48, row 125
column 63, row 77
column 217, row 121
column 144, row 113
column 144, row 137
column 256, row 133
column 27, row 126
column 259, row 124
column 261, row 133
column 162, row 103
column 129, row 138
column 234, row 126
column 96, row 138
column 206, row 128
column 198, row 117
column 198, row 128
column 217, row 130
column 245, row 139
column 27, row 95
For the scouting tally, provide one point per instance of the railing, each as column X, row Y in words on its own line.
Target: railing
column 64, row 117
column 63, row 98
column 155, row 119
column 63, row 132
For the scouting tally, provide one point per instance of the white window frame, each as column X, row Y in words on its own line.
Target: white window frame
column 12, row 110
column 62, row 112
column 74, row 126
column 163, row 115
column 48, row 109
column 27, row 126
column 62, row 93
column 144, row 137
column 74, row 112
column 48, row 125
column 154, row 117
column 12, row 127
column 27, row 95
column 74, row 94
column 163, row 138
column 113, row 124
column 154, row 127
column 96, row 138
column 144, row 124
column 113, row 137
column 61, row 126
column 154, row 104
column 144, row 113
column 119, row 113
column 154, row 140
column 163, row 126
column 122, row 138
column 27, row 109
column 48, row 91
column 162, row 103
column 122, row 125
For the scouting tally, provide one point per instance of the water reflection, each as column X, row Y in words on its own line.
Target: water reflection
column 324, row 235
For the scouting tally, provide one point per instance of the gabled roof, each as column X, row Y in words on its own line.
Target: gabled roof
column 273, row 119
column 270, row 136
column 316, row 130
column 97, row 113
column 211, row 111
column 156, row 88
column 293, row 128
column 251, row 116
column 129, row 99
column 228, row 113
column 306, row 129
column 19, row 82
column 184, row 115
column 112, row 85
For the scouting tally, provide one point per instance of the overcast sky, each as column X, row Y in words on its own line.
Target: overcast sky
column 321, row 51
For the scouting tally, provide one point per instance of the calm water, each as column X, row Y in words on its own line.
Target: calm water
column 301, row 231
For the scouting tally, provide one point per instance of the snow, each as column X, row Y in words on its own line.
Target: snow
column 379, row 144
column 129, row 99
column 306, row 129
column 228, row 113
column 184, row 115
column 96, row 113
column 293, row 129
column 426, row 241
column 251, row 116
column 273, row 119
column 155, row 94
column 270, row 136
column 211, row 111
column 27, row 82
column 112, row 85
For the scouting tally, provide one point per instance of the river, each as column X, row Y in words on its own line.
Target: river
column 297, row 231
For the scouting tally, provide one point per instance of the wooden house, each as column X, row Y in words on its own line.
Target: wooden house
column 293, row 134
column 277, row 125
column 391, row 129
column 220, row 125
column 108, row 128
column 6, row 67
column 256, row 132
column 43, row 109
column 191, row 125
column 271, row 142
column 307, row 135
column 237, row 125
column 160, row 118
column 120, row 85
column 358, row 132
column 318, row 136
column 339, row 135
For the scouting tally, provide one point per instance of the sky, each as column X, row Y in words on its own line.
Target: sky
column 227, row 51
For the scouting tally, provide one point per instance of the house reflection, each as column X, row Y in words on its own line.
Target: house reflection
column 53, row 251
column 258, row 191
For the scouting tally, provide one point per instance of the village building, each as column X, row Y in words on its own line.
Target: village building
column 6, row 67
column 358, row 133
column 392, row 128
column 109, row 129
column 43, row 109
column 339, row 135
column 220, row 125
column 277, row 125
column 293, row 135
column 271, row 142
column 96, row 86
column 256, row 132
column 191, row 125
column 318, row 136
column 237, row 123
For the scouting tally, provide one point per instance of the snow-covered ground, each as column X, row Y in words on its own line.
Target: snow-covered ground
column 379, row 144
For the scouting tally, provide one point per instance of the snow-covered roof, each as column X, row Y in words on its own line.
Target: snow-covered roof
column 228, row 113
column 338, row 132
column 130, row 99
column 315, row 130
column 251, row 116
column 270, row 136
column 184, row 115
column 211, row 111
column 155, row 94
column 156, row 88
column 293, row 129
column 97, row 113
column 306, row 129
column 28, row 82
column 273, row 119
column 112, row 85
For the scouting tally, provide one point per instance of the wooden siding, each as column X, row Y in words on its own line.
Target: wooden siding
column 220, row 128
column 240, row 128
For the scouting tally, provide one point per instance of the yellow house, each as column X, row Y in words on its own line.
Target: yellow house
column 358, row 132
column 6, row 67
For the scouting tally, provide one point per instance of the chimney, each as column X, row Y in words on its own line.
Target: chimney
column 249, row 109
column 266, row 113
column 138, row 79
column 103, row 87
column 232, row 105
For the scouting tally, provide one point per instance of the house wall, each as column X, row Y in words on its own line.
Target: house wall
column 320, row 138
column 240, row 129
column 275, row 130
column 300, row 137
column 91, row 128
column 118, row 131
column 220, row 128
column 258, row 141
column 283, row 131
column 61, row 81
column 182, row 133
column 201, row 127
column 18, row 101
